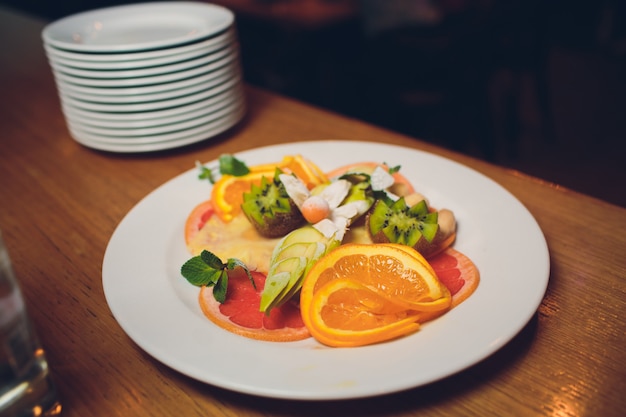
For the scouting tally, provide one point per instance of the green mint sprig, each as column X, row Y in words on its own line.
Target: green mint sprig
column 208, row 269
column 233, row 166
column 205, row 173
column 228, row 165
column 393, row 170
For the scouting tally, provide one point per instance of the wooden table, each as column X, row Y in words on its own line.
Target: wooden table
column 60, row 202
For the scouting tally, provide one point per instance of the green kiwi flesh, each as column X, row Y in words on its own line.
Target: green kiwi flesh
column 270, row 209
column 399, row 223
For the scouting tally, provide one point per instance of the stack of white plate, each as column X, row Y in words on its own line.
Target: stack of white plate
column 147, row 77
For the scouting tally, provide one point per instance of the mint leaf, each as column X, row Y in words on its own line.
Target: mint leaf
column 209, row 270
column 219, row 290
column 205, row 173
column 212, row 260
column 234, row 263
column 232, row 166
column 393, row 170
column 198, row 273
column 228, row 165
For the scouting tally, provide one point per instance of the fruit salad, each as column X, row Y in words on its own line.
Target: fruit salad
column 284, row 251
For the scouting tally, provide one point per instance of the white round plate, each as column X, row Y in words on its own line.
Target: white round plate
column 145, row 81
column 138, row 60
column 145, row 72
column 189, row 112
column 129, row 93
column 158, row 308
column 159, row 133
column 138, row 27
column 224, row 88
column 148, row 98
column 198, row 136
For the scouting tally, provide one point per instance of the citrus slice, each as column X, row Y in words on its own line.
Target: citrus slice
column 309, row 173
column 345, row 313
column 197, row 219
column 399, row 280
column 240, row 313
column 397, row 271
column 227, row 192
column 457, row 272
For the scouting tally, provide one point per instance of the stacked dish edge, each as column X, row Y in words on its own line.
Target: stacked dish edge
column 147, row 77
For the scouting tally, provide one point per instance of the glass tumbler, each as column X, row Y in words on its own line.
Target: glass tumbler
column 26, row 388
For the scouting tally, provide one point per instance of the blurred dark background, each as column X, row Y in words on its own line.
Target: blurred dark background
column 535, row 85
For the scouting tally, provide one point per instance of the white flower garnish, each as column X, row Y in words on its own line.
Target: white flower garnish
column 381, row 179
column 323, row 209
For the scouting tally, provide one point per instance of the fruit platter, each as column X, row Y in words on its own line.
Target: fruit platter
column 288, row 229
column 325, row 275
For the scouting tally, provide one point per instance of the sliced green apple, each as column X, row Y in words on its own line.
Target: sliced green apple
column 278, row 277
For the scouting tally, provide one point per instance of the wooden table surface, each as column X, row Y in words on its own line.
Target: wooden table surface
column 60, row 202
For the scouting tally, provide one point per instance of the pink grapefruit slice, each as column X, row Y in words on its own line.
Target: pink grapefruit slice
column 240, row 312
column 457, row 272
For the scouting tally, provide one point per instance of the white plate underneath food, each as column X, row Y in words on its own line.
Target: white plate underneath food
column 159, row 311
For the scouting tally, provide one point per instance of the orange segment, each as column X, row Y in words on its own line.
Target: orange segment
column 227, row 192
column 365, row 293
column 398, row 271
column 305, row 170
column 345, row 313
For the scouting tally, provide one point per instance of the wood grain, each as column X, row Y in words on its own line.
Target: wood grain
column 60, row 203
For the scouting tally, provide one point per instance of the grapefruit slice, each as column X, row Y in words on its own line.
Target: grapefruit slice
column 240, row 312
column 457, row 272
column 197, row 219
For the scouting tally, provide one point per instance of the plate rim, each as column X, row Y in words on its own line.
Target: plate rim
column 150, row 90
column 192, row 88
column 164, row 133
column 134, row 60
column 205, row 94
column 212, row 130
column 150, row 80
column 51, row 37
column 152, row 71
column 155, row 116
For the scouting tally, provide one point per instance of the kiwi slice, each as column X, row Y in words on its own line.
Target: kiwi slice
column 270, row 209
column 396, row 222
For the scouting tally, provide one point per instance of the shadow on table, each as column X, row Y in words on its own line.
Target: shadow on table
column 430, row 396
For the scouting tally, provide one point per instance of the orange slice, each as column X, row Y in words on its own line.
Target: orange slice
column 227, row 192
column 345, row 313
column 384, row 287
column 305, row 170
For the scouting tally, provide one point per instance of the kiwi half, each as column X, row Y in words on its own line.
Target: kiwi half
column 399, row 223
column 270, row 209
